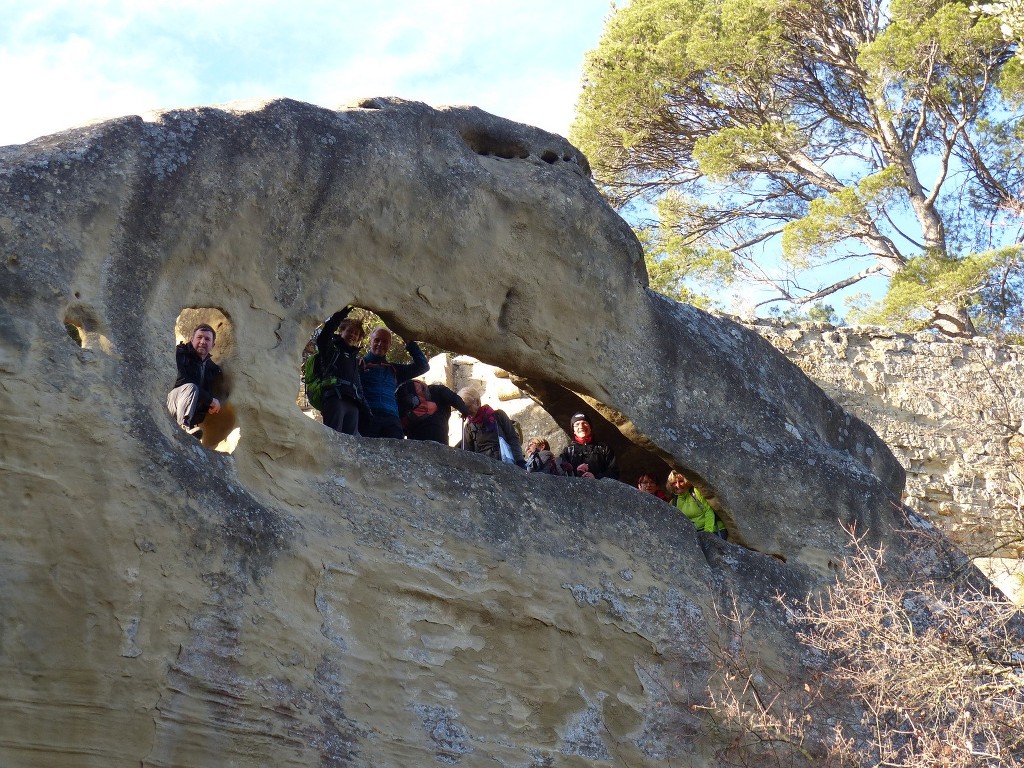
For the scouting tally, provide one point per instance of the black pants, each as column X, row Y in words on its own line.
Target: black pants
column 340, row 414
column 381, row 425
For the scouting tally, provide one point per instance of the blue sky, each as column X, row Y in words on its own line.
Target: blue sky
column 65, row 63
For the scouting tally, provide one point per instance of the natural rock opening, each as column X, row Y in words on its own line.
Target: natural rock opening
column 486, row 143
column 547, row 417
column 220, row 431
column 74, row 333
column 85, row 327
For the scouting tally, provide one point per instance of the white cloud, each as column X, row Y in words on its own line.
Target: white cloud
column 64, row 63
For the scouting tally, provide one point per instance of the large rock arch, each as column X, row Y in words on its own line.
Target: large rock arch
column 460, row 228
column 253, row 601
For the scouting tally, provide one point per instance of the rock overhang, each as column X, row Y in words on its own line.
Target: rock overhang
column 478, row 234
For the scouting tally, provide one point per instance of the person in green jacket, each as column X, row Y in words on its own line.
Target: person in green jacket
column 691, row 502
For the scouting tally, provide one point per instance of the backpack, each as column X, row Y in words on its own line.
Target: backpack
column 315, row 384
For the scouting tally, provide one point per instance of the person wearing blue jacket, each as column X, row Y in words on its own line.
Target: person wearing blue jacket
column 380, row 379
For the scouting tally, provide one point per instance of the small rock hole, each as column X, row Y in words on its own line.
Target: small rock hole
column 484, row 143
column 549, row 156
column 75, row 333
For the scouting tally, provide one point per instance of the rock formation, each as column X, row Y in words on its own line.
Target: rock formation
column 951, row 410
column 317, row 599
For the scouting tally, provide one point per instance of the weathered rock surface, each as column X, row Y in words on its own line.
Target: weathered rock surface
column 317, row 599
column 952, row 411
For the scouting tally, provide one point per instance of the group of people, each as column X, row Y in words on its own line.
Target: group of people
column 369, row 396
column 685, row 496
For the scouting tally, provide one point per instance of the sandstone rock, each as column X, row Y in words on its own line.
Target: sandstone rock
column 312, row 598
column 951, row 411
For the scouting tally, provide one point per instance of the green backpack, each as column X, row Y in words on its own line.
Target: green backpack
column 313, row 382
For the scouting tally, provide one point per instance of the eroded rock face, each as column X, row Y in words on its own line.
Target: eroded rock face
column 314, row 598
column 950, row 409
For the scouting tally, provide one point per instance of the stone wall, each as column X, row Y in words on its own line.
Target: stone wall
column 950, row 410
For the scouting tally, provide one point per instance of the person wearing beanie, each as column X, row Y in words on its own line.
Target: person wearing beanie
column 588, row 458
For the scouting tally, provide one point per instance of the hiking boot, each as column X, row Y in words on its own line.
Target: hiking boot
column 196, row 432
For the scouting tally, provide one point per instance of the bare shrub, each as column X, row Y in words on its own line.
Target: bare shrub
column 924, row 674
column 755, row 718
column 938, row 669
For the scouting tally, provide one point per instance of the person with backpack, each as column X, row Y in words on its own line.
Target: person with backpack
column 336, row 368
column 691, row 502
column 539, row 458
column 191, row 398
column 586, row 457
column 380, row 379
column 426, row 409
column 485, row 426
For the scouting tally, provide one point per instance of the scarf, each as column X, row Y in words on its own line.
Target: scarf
column 583, row 440
column 485, row 419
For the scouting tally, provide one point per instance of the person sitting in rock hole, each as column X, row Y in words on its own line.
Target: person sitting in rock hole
column 380, row 379
column 649, row 484
column 338, row 360
column 691, row 502
column 586, row 457
column 191, row 398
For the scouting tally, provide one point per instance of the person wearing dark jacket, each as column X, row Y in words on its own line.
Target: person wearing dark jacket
column 588, row 458
column 380, row 379
column 426, row 409
column 484, row 425
column 337, row 362
column 191, row 398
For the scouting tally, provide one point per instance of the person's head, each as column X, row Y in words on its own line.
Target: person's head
column 537, row 444
column 380, row 342
column 420, row 388
column 471, row 398
column 677, row 482
column 351, row 332
column 203, row 339
column 647, row 483
column 580, row 426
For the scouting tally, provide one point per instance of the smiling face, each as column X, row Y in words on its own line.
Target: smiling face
column 352, row 333
column 647, row 484
column 202, row 342
column 679, row 483
column 380, row 342
column 581, row 429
